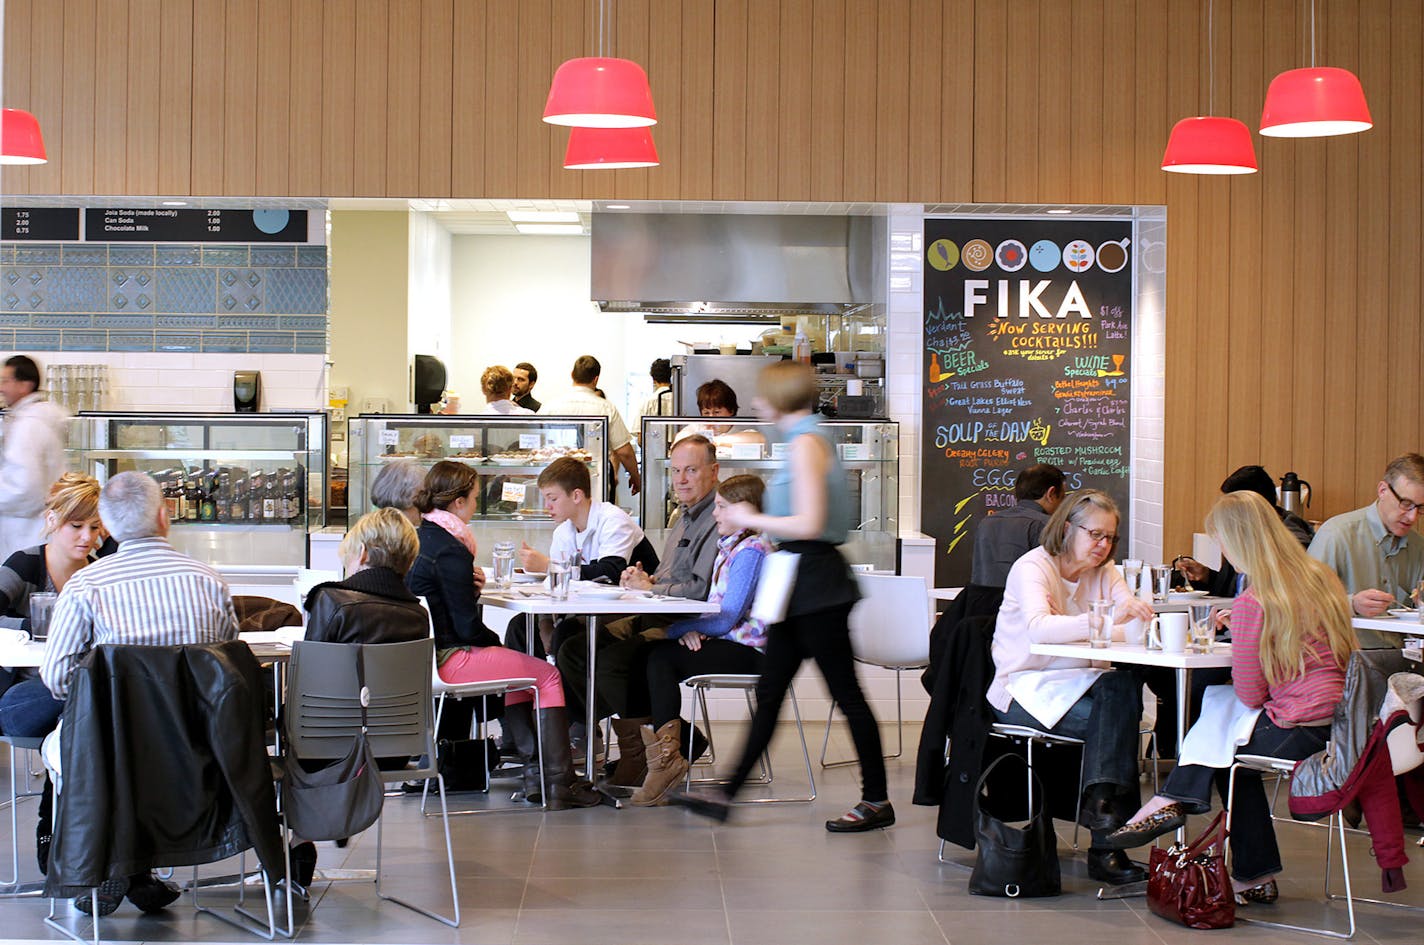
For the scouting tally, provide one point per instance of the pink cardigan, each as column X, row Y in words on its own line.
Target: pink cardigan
column 1306, row 700
column 1037, row 608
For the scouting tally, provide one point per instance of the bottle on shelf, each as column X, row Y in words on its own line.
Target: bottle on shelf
column 191, row 499
column 269, row 497
column 173, row 497
column 222, row 491
column 207, row 499
column 801, row 350
column 237, row 500
column 256, row 486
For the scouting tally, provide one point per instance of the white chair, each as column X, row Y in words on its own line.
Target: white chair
column 747, row 684
column 19, row 747
column 889, row 628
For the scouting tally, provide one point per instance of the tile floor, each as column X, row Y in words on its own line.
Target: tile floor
column 773, row 875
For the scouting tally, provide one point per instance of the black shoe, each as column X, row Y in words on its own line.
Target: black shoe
column 863, row 817
column 1147, row 829
column 303, row 863
column 716, row 806
column 699, row 745
column 1266, row 894
column 1114, row 868
column 152, row 894
column 111, row 896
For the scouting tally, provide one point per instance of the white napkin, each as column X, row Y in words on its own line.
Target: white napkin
column 1048, row 694
column 14, row 637
column 1225, row 724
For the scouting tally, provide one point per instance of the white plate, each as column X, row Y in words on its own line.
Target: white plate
column 528, row 577
column 598, row 591
column 1403, row 612
column 1187, row 594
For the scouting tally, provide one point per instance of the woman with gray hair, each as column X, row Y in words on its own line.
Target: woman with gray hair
column 395, row 487
column 1047, row 599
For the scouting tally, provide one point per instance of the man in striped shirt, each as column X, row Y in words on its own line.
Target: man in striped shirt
column 145, row 593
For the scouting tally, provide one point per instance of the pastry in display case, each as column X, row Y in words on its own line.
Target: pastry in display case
column 868, row 449
column 239, row 489
column 508, row 452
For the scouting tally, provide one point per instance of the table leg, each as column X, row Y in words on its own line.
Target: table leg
column 531, row 627
column 1184, row 698
column 591, row 773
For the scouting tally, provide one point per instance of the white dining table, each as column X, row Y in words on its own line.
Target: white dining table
column 1404, row 626
column 534, row 600
column 1179, row 602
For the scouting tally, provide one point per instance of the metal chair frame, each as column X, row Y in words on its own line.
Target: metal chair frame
column 482, row 691
column 747, row 684
column 899, row 718
column 12, row 888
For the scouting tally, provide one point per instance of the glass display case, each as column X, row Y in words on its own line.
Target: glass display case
column 240, row 489
column 869, row 451
column 508, row 452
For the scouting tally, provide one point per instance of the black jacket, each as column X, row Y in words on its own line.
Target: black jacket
column 165, row 764
column 444, row 574
column 371, row 606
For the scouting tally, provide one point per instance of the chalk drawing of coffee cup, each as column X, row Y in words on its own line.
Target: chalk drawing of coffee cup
column 1011, row 255
column 1044, row 255
column 1154, row 255
column 977, row 255
column 1078, row 255
column 1112, row 255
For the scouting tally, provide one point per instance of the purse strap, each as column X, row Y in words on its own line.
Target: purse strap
column 1215, row 833
column 1037, row 782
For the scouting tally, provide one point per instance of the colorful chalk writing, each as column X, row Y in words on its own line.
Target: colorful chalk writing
column 1022, row 370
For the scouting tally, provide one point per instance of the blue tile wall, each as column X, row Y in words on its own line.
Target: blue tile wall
column 163, row 297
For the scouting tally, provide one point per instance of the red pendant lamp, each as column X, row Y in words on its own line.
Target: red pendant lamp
column 1210, row 144
column 1316, row 102
column 600, row 91
column 610, row 149
column 20, row 138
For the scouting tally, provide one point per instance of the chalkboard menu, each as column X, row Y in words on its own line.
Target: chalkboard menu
column 50, row 224
column 1028, row 332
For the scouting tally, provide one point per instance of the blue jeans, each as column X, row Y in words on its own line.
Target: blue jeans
column 1254, row 853
column 28, row 710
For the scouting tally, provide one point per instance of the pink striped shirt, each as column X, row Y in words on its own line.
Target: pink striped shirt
column 1309, row 698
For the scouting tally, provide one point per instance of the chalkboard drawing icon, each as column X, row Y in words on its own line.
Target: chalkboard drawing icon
column 943, row 255
column 1116, row 371
column 271, row 222
column 1078, row 255
column 977, row 255
column 936, row 374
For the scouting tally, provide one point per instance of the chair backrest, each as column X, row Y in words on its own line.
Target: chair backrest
column 324, row 701
column 890, row 626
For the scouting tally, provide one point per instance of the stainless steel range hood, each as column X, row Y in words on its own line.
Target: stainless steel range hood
column 733, row 267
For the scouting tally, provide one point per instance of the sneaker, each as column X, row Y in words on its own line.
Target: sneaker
column 110, row 893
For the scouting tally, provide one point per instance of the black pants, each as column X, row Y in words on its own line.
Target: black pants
column 616, row 651
column 823, row 636
column 1254, row 853
column 658, row 669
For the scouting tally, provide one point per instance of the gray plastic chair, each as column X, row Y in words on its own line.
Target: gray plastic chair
column 324, row 714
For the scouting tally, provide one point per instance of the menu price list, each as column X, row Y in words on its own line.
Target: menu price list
column 45, row 224
column 172, row 225
column 1028, row 329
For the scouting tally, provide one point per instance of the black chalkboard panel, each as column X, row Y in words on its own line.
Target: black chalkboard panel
column 48, row 224
column 1028, row 337
column 171, row 225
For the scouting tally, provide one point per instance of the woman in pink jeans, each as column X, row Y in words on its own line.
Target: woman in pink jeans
column 467, row 651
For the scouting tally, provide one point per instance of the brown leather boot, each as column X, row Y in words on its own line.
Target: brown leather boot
column 632, row 764
column 666, row 766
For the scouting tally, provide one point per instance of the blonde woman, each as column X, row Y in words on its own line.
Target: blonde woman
column 1290, row 640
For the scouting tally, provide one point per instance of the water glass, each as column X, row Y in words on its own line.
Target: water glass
column 1203, row 630
column 503, row 564
column 41, row 607
column 561, row 575
column 1132, row 573
column 1161, row 582
column 1100, row 624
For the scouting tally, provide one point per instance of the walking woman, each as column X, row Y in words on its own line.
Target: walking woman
column 808, row 507
column 445, row 574
column 1291, row 638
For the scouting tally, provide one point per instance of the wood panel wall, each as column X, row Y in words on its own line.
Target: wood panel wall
column 1294, row 295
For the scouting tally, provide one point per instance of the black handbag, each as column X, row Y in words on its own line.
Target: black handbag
column 1017, row 862
column 465, row 763
column 341, row 799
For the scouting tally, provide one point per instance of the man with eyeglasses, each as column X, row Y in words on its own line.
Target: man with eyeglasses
column 1375, row 550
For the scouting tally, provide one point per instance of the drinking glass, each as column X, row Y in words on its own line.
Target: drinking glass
column 1132, row 572
column 41, row 607
column 503, row 564
column 1161, row 582
column 560, row 577
column 1203, row 631
column 1100, row 624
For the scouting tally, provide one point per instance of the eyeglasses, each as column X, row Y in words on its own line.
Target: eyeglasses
column 1405, row 505
column 1096, row 535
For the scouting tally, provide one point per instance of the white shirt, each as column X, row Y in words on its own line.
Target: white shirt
column 583, row 402
column 506, row 406
column 658, row 405
column 32, row 460
column 610, row 532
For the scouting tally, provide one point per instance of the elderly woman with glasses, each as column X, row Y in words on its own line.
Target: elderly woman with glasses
column 1048, row 599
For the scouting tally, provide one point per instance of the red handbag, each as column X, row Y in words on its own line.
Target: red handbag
column 1190, row 884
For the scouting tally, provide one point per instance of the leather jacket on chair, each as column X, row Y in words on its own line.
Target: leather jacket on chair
column 371, row 606
column 164, row 764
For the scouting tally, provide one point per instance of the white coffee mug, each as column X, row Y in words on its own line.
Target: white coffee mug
column 1169, row 632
